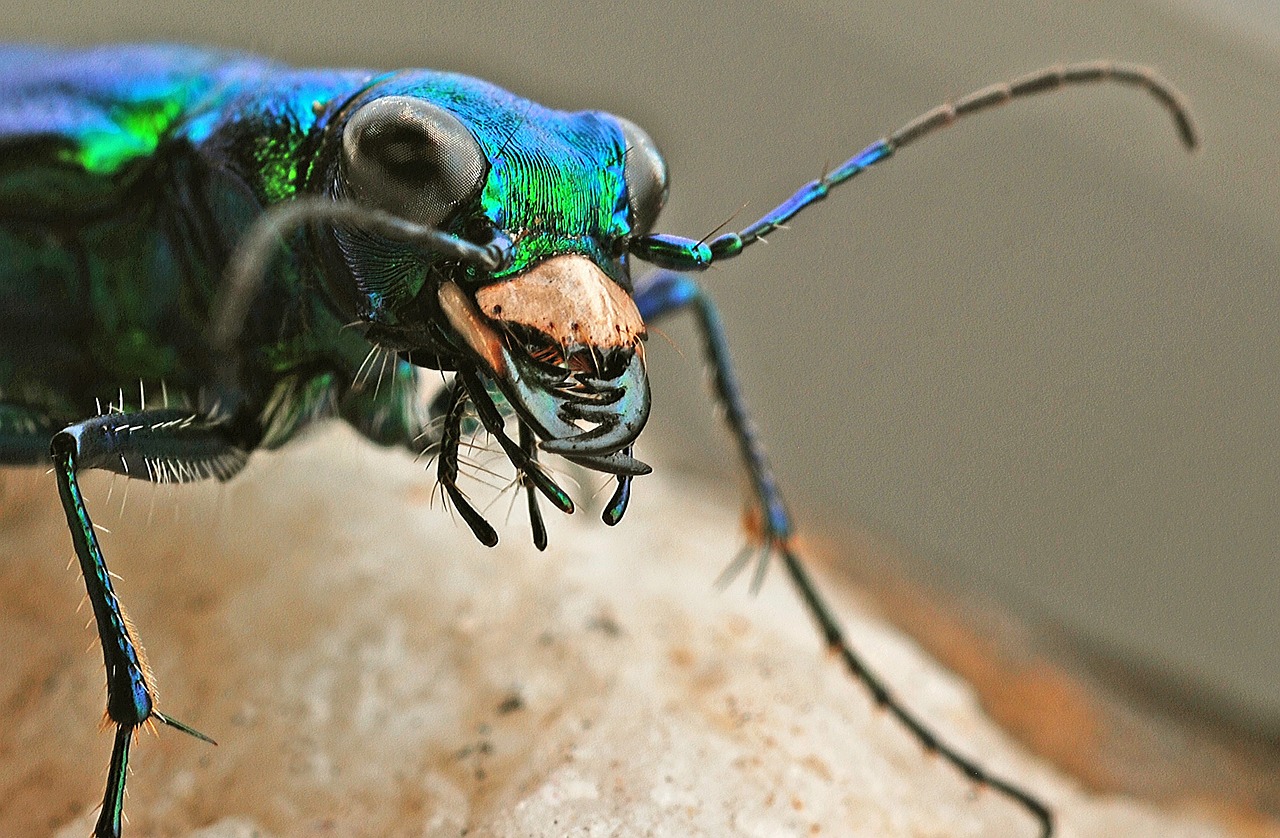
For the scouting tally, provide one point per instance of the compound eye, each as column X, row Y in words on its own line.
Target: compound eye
column 411, row 158
column 646, row 176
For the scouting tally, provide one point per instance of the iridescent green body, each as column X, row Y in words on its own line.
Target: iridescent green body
column 129, row 174
column 200, row 252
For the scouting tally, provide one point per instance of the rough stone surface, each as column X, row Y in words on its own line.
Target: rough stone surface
column 370, row 671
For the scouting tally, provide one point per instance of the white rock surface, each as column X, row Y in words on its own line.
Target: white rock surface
column 370, row 671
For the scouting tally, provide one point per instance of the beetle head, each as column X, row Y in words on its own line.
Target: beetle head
column 554, row 326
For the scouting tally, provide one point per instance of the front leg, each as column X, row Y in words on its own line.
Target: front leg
column 666, row 292
column 161, row 445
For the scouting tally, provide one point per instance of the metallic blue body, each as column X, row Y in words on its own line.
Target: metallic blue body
column 129, row 174
column 131, row 178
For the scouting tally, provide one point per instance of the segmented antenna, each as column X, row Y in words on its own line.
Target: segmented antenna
column 683, row 254
column 249, row 264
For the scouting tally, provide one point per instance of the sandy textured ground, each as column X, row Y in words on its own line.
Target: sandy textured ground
column 369, row 670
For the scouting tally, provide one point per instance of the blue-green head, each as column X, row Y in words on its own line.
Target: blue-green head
column 559, row 195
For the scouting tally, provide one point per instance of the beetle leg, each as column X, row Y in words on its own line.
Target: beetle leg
column 160, row 445
column 666, row 292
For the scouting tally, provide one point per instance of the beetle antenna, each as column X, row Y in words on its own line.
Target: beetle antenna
column 683, row 254
column 248, row 266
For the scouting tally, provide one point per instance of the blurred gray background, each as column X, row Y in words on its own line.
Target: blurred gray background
column 1038, row 351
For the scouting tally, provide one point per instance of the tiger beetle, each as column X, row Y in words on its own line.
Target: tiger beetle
column 233, row 238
